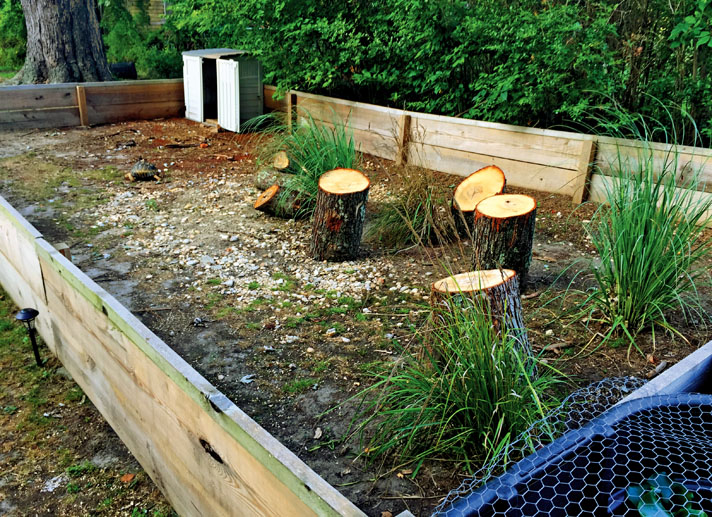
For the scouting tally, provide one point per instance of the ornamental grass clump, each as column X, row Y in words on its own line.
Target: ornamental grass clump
column 465, row 395
column 416, row 215
column 313, row 147
column 650, row 237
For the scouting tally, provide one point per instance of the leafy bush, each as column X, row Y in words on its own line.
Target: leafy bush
column 313, row 148
column 419, row 214
column 650, row 238
column 529, row 62
column 467, row 396
column 13, row 35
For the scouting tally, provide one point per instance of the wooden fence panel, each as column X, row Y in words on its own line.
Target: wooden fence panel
column 37, row 96
column 205, row 454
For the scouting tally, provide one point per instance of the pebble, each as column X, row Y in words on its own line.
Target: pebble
column 310, row 350
column 549, row 332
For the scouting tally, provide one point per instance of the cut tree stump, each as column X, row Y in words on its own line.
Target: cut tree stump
column 496, row 290
column 479, row 185
column 278, row 202
column 503, row 233
column 280, row 160
column 339, row 214
column 269, row 176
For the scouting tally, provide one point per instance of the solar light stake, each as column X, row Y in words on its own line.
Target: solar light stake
column 27, row 316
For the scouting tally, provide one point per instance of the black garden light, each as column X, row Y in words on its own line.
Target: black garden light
column 27, row 316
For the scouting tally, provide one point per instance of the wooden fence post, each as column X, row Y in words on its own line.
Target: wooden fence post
column 403, row 134
column 82, row 104
column 586, row 159
column 291, row 106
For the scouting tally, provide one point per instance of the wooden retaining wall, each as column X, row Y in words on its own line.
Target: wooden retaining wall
column 83, row 104
column 561, row 162
column 202, row 451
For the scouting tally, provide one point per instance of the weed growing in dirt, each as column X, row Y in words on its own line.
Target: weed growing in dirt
column 469, row 393
column 418, row 214
column 650, row 237
column 298, row 386
column 313, row 148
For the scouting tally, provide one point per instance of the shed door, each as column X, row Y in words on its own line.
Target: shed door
column 193, row 87
column 228, row 99
column 251, row 93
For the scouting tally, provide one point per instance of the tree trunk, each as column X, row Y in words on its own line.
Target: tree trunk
column 503, row 233
column 498, row 292
column 63, row 43
column 268, row 176
column 479, row 185
column 339, row 215
column 279, row 202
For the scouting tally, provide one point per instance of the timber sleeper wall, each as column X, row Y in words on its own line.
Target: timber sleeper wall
column 560, row 162
column 203, row 452
column 83, row 104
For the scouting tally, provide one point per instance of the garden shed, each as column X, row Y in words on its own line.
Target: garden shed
column 222, row 86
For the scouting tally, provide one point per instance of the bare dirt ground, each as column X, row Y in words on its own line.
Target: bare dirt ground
column 285, row 337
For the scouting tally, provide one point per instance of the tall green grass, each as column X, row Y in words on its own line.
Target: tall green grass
column 417, row 214
column 650, row 237
column 460, row 400
column 313, row 148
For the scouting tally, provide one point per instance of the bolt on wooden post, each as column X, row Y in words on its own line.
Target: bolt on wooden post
column 339, row 215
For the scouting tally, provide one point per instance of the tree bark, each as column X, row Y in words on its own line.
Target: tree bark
column 339, row 215
column 494, row 290
column 63, row 43
column 278, row 202
column 268, row 176
column 479, row 185
column 503, row 234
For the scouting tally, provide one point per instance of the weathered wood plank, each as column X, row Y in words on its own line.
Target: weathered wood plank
column 365, row 117
column 134, row 93
column 143, row 111
column 32, row 97
column 270, row 102
column 518, row 174
column 463, row 135
column 403, row 135
column 57, row 117
column 207, row 456
column 600, row 184
column 685, row 161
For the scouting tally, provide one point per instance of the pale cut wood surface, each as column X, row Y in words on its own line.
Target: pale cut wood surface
column 506, row 205
column 343, row 181
column 207, row 456
column 472, row 281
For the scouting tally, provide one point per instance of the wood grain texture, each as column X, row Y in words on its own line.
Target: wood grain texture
column 519, row 174
column 51, row 117
column 82, row 105
column 37, row 96
column 586, row 161
column 118, row 93
column 599, row 184
column 205, row 454
column 143, row 111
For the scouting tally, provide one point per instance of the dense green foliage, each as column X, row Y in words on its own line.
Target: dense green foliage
column 12, row 35
column 530, row 62
column 129, row 37
column 468, row 396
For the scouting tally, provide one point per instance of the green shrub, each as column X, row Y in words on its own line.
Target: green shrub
column 466, row 397
column 13, row 35
column 650, row 237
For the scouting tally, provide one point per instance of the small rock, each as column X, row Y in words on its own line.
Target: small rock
column 331, row 331
column 221, row 377
column 318, row 433
column 549, row 332
column 247, row 379
column 310, row 350
column 345, row 340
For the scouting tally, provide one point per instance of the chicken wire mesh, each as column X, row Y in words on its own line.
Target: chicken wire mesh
column 651, row 456
column 575, row 411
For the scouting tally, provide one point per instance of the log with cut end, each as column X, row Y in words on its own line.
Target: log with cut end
column 479, row 185
column 493, row 290
column 280, row 160
column 503, row 233
column 339, row 214
column 269, row 176
column 278, row 201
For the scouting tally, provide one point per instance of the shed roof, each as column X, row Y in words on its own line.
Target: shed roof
column 214, row 53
